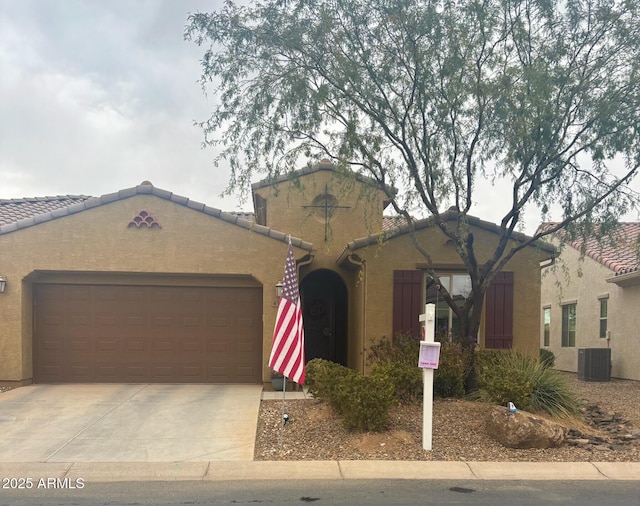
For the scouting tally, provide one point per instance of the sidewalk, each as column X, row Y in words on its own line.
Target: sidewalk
column 321, row 470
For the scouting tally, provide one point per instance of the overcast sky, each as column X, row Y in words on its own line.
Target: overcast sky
column 97, row 96
column 100, row 95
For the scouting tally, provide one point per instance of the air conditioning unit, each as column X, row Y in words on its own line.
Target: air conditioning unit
column 594, row 364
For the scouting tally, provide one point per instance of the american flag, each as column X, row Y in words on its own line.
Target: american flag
column 287, row 353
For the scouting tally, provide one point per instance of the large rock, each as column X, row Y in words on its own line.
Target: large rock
column 523, row 430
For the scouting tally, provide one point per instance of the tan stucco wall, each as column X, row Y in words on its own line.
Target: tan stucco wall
column 361, row 217
column 400, row 253
column 193, row 248
column 98, row 240
column 583, row 280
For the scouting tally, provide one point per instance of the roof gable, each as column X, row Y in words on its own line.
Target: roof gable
column 18, row 214
column 396, row 227
column 323, row 165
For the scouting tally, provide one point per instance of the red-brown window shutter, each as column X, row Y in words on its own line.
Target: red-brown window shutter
column 407, row 302
column 498, row 329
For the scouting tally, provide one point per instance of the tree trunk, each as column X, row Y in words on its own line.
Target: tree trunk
column 469, row 330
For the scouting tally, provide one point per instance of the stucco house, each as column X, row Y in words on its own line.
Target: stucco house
column 146, row 286
column 590, row 300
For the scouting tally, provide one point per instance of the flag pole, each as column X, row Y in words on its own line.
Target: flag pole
column 287, row 351
column 283, row 421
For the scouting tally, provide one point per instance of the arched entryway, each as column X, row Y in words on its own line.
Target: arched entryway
column 324, row 309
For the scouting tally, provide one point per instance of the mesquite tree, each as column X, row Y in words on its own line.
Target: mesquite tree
column 436, row 98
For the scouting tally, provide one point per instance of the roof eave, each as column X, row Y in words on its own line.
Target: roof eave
column 148, row 189
column 627, row 279
column 549, row 250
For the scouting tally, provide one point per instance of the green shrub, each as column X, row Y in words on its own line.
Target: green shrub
column 525, row 381
column 397, row 360
column 552, row 393
column 506, row 382
column 547, row 358
column 326, row 380
column 406, row 380
column 402, row 349
column 363, row 402
column 486, row 357
column 448, row 380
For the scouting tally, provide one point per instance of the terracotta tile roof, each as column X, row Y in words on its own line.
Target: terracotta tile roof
column 245, row 215
column 40, row 214
column 12, row 210
column 390, row 223
column 619, row 251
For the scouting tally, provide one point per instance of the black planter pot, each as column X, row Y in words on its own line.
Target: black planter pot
column 277, row 382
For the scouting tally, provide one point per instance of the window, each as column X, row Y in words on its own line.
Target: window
column 459, row 287
column 569, row 325
column 604, row 303
column 547, row 325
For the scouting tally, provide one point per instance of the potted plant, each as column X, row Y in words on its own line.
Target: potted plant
column 277, row 381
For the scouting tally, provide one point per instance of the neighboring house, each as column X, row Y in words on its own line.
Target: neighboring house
column 146, row 286
column 590, row 299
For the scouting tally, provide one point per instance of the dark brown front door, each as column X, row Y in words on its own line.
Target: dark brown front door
column 116, row 333
column 319, row 325
column 324, row 310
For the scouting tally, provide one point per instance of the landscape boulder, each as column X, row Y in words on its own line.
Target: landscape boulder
column 523, row 430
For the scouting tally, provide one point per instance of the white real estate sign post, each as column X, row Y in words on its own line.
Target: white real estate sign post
column 428, row 361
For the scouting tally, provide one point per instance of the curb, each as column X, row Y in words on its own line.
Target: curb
column 321, row 470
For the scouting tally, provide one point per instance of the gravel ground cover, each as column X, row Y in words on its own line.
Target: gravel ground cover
column 314, row 432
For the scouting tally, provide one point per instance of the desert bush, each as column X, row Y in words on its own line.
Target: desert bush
column 448, row 378
column 402, row 349
column 547, row 358
column 397, row 360
column 406, row 380
column 552, row 394
column 525, row 381
column 365, row 402
column 327, row 380
column 362, row 402
column 502, row 383
column 485, row 357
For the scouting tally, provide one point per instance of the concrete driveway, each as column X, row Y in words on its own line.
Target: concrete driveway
column 129, row 423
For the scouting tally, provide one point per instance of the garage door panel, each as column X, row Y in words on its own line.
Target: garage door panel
column 80, row 372
column 217, row 321
column 191, row 323
column 106, row 321
column 192, row 346
column 80, row 344
column 162, row 321
column 246, row 347
column 109, row 344
column 111, row 333
column 108, row 373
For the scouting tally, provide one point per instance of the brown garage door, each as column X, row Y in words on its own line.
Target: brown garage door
column 140, row 334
